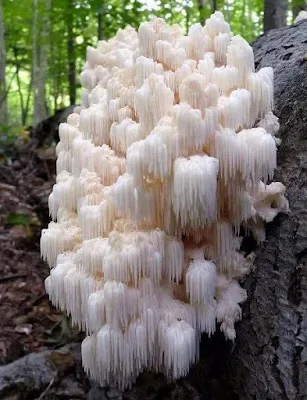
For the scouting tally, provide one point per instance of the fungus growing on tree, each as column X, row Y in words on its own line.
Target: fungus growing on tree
column 167, row 158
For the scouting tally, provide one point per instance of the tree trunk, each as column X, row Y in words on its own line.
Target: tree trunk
column 243, row 18
column 99, row 24
column 187, row 17
column 21, row 100
column 269, row 361
column 214, row 6
column 71, row 54
column 275, row 12
column 201, row 11
column 3, row 92
column 40, row 59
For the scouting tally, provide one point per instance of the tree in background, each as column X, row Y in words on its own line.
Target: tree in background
column 41, row 31
column 275, row 14
column 71, row 58
column 3, row 93
column 214, row 5
column 100, row 17
column 46, row 40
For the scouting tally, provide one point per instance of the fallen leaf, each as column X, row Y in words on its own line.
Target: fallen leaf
column 61, row 359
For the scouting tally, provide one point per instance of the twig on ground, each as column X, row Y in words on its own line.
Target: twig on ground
column 47, row 170
column 47, row 388
column 15, row 276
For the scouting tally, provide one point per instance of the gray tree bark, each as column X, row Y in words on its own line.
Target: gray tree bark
column 3, row 94
column 270, row 358
column 275, row 12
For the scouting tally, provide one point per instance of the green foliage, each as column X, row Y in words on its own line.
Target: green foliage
column 9, row 134
column 15, row 219
column 89, row 19
column 25, row 221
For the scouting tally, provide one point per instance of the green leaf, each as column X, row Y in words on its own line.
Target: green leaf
column 14, row 219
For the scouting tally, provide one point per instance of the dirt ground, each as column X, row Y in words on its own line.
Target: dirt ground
column 28, row 322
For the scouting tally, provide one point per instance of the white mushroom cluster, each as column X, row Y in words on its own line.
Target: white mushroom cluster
column 167, row 158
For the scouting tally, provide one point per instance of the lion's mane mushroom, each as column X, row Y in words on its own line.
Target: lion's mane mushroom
column 167, row 157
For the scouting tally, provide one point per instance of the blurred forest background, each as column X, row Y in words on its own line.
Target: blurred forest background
column 43, row 44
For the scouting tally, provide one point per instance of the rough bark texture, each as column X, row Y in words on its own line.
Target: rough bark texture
column 274, row 14
column 270, row 358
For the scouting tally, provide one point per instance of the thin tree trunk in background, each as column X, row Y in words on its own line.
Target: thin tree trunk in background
column 275, row 12
column 40, row 53
column 56, row 92
column 22, row 106
column 71, row 54
column 187, row 16
column 35, row 55
column 53, row 56
column 27, row 107
column 297, row 6
column 201, row 11
column 99, row 23
column 3, row 94
column 44, row 49
column 250, row 20
column 242, row 27
column 227, row 11
column 214, row 6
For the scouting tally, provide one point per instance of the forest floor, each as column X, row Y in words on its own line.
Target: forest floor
column 28, row 322
column 27, row 318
